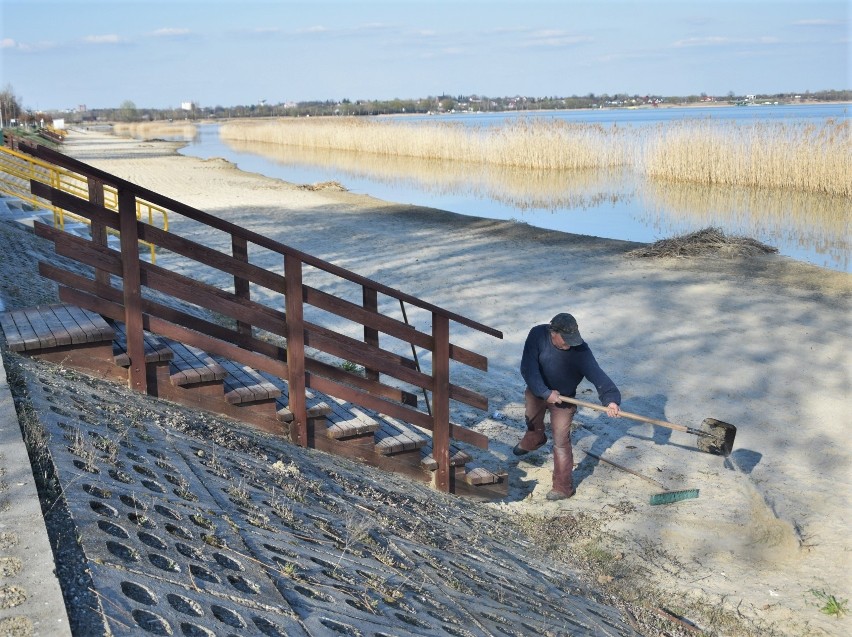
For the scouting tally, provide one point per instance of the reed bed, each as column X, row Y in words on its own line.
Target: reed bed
column 150, row 130
column 806, row 157
column 521, row 188
column 799, row 156
column 541, row 144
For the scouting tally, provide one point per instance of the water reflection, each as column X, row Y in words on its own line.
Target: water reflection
column 546, row 190
column 810, row 221
column 806, row 225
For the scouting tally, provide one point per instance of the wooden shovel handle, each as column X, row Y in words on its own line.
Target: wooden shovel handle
column 627, row 414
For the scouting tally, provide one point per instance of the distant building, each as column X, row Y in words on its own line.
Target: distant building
column 188, row 106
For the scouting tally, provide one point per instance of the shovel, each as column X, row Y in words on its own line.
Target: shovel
column 714, row 437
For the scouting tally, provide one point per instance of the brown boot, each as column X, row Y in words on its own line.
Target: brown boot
column 531, row 441
column 559, row 495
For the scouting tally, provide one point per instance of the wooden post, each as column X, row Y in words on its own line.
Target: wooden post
column 98, row 230
column 371, row 335
column 239, row 248
column 296, row 350
column 132, row 289
column 441, row 400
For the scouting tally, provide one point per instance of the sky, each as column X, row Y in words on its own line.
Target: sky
column 160, row 53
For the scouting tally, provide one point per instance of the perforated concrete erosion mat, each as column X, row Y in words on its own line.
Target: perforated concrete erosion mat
column 194, row 526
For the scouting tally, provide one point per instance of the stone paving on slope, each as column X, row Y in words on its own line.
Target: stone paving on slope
column 192, row 525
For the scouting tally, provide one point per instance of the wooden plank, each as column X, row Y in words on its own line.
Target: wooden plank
column 132, row 287
column 47, row 336
column 156, row 350
column 242, row 288
column 371, row 335
column 192, row 365
column 15, row 340
column 97, row 230
column 441, row 401
column 391, row 438
column 96, row 328
column 379, row 405
column 174, row 322
column 243, row 384
column 480, row 475
column 347, row 420
column 388, row 325
column 32, row 339
column 458, row 458
column 70, row 323
column 296, row 350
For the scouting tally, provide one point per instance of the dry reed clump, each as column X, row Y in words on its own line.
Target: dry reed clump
column 706, row 242
column 803, row 156
column 150, row 130
column 534, row 143
column 324, row 185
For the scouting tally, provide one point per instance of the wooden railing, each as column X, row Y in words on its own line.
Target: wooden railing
column 272, row 336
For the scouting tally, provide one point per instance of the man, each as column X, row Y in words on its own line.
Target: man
column 554, row 362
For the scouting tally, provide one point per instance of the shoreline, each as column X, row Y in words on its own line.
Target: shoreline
column 684, row 339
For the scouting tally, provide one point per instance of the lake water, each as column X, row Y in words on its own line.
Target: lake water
column 614, row 204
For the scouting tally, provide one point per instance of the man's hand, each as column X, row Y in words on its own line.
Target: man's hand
column 553, row 399
column 612, row 410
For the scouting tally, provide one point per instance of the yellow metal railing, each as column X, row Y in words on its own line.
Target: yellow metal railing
column 18, row 169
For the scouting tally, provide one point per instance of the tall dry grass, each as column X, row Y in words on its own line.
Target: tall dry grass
column 520, row 188
column 807, row 157
column 797, row 218
column 150, row 130
column 540, row 144
column 799, row 156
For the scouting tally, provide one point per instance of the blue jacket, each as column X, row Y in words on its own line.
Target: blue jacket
column 545, row 367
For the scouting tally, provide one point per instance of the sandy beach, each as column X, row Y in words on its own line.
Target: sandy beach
column 761, row 343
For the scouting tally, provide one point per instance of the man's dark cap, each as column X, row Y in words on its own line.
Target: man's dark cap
column 566, row 326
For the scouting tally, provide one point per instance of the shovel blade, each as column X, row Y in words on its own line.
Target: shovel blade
column 720, row 442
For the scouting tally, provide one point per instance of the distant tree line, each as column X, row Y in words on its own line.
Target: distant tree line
column 10, row 106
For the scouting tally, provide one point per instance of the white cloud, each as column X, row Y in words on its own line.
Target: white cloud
column 714, row 40
column 553, row 38
column 818, row 22
column 27, row 47
column 718, row 40
column 170, row 32
column 315, row 29
column 102, row 39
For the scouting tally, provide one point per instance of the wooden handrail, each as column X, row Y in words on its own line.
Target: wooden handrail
column 52, row 156
column 291, row 362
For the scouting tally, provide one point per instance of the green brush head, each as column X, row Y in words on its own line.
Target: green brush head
column 674, row 496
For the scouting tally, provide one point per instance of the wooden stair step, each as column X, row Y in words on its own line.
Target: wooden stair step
column 479, row 475
column 243, row 384
column 458, row 458
column 473, row 476
column 51, row 326
column 317, row 407
column 346, row 421
column 393, row 436
column 190, row 365
column 156, row 349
